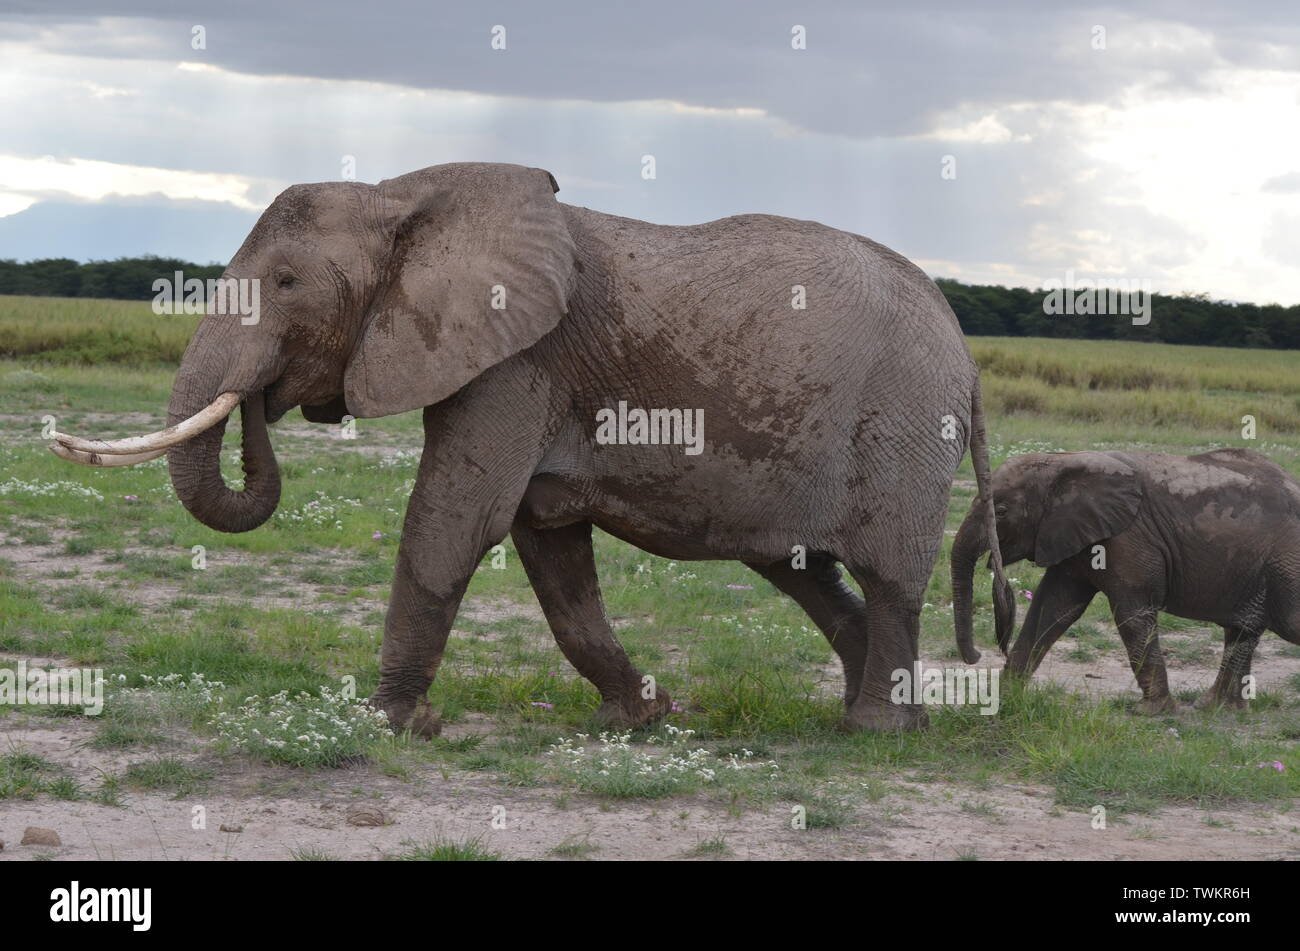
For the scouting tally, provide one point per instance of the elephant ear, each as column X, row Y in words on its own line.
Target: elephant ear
column 1093, row 496
column 480, row 267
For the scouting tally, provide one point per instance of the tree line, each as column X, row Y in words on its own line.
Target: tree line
column 982, row 309
column 985, row 310
column 123, row 279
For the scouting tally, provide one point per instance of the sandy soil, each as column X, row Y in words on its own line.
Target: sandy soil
column 38, row 563
column 1109, row 673
column 280, row 811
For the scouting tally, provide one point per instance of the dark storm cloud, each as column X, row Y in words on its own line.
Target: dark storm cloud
column 854, row 131
column 869, row 69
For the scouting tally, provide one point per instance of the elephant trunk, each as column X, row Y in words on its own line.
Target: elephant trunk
column 195, row 468
column 970, row 543
column 195, row 465
column 217, row 371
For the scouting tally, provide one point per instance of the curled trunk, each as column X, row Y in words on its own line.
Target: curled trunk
column 195, row 468
column 225, row 357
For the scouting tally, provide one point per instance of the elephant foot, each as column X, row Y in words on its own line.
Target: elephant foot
column 634, row 711
column 882, row 717
column 414, row 715
column 1217, row 701
column 425, row 722
column 1156, row 706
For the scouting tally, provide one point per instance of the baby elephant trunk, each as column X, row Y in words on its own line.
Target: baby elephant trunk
column 966, row 550
column 971, row 543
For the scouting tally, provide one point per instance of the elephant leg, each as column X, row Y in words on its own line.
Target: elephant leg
column 415, row 635
column 837, row 610
column 1228, row 689
column 893, row 616
column 892, row 559
column 1284, row 605
column 562, row 570
column 1239, row 643
column 464, row 499
column 1138, row 628
column 1059, row 601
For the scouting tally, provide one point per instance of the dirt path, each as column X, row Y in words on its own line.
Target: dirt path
column 282, row 811
column 52, row 568
column 1109, row 673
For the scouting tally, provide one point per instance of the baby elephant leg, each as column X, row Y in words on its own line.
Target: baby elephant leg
column 1138, row 629
column 1059, row 601
column 1231, row 686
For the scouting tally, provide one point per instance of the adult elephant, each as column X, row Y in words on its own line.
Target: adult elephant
column 1213, row 537
column 835, row 389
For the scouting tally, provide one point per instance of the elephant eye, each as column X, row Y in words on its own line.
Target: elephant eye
column 286, row 281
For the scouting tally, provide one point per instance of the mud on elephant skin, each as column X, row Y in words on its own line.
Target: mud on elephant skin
column 1213, row 537
column 515, row 322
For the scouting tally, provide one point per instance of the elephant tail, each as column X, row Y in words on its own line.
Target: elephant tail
column 1004, row 601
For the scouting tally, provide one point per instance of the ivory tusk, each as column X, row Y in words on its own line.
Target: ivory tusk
column 95, row 459
column 203, row 420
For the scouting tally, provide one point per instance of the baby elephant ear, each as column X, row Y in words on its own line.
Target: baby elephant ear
column 1091, row 496
column 480, row 267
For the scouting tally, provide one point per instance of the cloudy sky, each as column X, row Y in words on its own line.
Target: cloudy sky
column 1156, row 140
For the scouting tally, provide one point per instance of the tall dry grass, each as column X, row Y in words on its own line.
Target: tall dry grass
column 75, row 330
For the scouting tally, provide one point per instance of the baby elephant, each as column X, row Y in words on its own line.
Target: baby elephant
column 1214, row 537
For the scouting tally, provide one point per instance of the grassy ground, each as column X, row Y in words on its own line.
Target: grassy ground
column 98, row 569
column 73, row 330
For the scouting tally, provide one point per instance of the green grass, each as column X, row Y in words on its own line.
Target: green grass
column 121, row 736
column 826, row 809
column 575, row 848
column 714, row 847
column 72, row 330
column 22, row 775
column 167, row 773
column 446, row 850
column 1103, row 365
column 313, row 855
column 745, row 664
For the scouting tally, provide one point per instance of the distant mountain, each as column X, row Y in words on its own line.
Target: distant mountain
column 195, row 231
